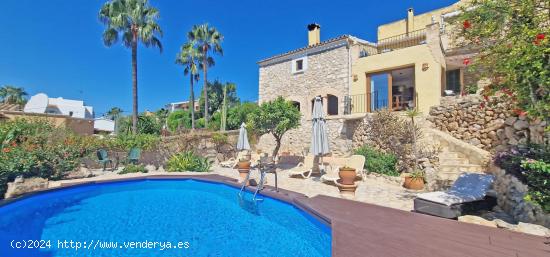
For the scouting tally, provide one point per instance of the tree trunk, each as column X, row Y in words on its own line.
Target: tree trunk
column 192, row 100
column 205, row 88
column 134, row 84
column 276, row 150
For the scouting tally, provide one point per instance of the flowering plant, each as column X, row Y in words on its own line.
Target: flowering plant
column 513, row 50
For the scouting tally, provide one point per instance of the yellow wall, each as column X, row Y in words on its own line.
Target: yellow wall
column 420, row 21
column 427, row 83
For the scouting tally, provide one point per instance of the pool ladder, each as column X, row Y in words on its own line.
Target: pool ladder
column 259, row 186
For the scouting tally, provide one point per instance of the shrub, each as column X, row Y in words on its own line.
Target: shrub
column 392, row 134
column 537, row 174
column 133, row 168
column 38, row 148
column 147, row 124
column 378, row 162
column 511, row 160
column 188, row 161
column 238, row 114
column 179, row 119
column 125, row 142
column 219, row 140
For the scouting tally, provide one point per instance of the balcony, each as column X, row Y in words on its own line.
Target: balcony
column 414, row 38
column 364, row 103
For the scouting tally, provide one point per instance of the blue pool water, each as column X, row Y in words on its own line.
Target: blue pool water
column 142, row 217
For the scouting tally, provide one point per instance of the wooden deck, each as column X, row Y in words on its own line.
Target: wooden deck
column 360, row 229
column 366, row 230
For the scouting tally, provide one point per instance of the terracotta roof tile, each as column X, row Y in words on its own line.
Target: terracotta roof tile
column 306, row 47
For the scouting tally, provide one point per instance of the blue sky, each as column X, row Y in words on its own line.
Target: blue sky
column 55, row 46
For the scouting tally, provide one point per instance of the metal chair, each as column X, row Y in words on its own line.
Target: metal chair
column 103, row 158
column 133, row 156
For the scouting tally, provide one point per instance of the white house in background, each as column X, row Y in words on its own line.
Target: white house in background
column 41, row 103
column 104, row 125
column 181, row 106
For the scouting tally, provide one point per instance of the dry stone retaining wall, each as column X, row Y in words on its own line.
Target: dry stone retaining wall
column 491, row 126
column 511, row 199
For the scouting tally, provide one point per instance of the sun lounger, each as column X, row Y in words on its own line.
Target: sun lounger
column 304, row 168
column 232, row 162
column 355, row 161
column 468, row 193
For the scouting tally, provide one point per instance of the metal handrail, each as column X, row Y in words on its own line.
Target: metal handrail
column 401, row 41
column 360, row 103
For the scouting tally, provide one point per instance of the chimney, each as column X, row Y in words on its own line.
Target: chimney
column 313, row 34
column 410, row 20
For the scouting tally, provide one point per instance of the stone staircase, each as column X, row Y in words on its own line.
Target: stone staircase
column 452, row 163
column 457, row 156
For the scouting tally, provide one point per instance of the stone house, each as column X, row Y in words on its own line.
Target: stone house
column 414, row 63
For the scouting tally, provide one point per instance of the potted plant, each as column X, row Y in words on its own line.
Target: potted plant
column 347, row 175
column 243, row 166
column 415, row 180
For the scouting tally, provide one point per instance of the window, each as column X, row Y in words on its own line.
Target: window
column 453, row 82
column 332, row 105
column 296, row 104
column 299, row 65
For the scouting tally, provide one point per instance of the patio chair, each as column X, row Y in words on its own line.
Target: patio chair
column 469, row 193
column 304, row 168
column 133, row 156
column 355, row 161
column 103, row 158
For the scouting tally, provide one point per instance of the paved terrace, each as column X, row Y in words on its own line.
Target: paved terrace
column 368, row 230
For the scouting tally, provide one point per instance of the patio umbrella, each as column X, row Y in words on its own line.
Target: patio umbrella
column 242, row 142
column 319, row 138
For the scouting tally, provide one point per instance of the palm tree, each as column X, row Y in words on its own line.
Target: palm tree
column 206, row 39
column 114, row 113
column 13, row 95
column 134, row 21
column 189, row 57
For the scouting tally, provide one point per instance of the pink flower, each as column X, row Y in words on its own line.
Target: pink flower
column 466, row 61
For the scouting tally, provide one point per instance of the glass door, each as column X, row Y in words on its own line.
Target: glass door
column 379, row 95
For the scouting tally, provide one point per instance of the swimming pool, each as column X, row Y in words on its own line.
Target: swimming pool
column 157, row 218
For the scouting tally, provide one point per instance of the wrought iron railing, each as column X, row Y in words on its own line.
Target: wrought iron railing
column 389, row 44
column 363, row 103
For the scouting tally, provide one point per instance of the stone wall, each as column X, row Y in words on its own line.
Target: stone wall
column 490, row 125
column 298, row 141
column 327, row 74
column 511, row 199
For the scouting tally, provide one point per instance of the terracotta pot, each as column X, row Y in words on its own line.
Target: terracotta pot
column 244, row 168
column 413, row 183
column 347, row 175
column 243, row 165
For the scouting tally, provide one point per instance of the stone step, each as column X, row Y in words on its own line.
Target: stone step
column 459, row 168
column 450, row 176
column 453, row 161
column 447, row 154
